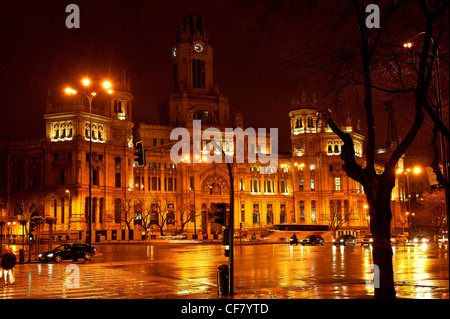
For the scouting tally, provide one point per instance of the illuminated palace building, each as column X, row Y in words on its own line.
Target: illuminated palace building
column 50, row 177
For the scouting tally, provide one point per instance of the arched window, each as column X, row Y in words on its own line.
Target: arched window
column 86, row 130
column 94, row 132
column 56, row 131
column 100, row 133
column 69, row 130
column 255, row 214
column 269, row 214
column 283, row 217
column 313, row 211
column 117, row 210
column 63, row 130
column 198, row 73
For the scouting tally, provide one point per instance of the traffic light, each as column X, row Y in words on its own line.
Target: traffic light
column 139, row 153
column 32, row 229
column 219, row 211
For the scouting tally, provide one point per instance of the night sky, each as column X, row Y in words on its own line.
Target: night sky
column 39, row 52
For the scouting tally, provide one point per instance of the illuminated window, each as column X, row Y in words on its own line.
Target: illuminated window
column 302, row 211
column 56, row 131
column 255, row 213
column 313, row 211
column 337, row 183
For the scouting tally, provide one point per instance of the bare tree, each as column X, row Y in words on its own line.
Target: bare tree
column 30, row 205
column 160, row 206
column 184, row 211
column 337, row 219
column 431, row 211
column 126, row 207
column 373, row 62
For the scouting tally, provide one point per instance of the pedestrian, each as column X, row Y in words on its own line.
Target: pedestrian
column 8, row 263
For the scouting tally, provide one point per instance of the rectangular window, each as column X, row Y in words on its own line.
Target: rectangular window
column 154, row 184
column 118, row 180
column 313, row 211
column 283, row 187
column 313, row 186
column 117, row 210
column 94, row 209
column 300, row 185
column 337, row 183
column 170, row 184
column 62, row 176
column 198, row 73
column 302, row 211
column 101, row 208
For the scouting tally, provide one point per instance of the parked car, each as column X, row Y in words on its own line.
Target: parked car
column 398, row 239
column 313, row 240
column 68, row 251
column 367, row 240
column 419, row 239
column 345, row 240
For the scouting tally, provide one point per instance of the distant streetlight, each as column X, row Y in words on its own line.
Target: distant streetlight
column 89, row 94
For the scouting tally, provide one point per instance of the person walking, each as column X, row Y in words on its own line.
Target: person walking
column 8, row 263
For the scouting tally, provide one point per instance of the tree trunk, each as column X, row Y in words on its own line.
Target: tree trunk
column 380, row 226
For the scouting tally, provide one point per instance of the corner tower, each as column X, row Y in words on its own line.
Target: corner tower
column 193, row 94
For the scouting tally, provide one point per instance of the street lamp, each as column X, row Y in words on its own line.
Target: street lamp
column 416, row 170
column 90, row 94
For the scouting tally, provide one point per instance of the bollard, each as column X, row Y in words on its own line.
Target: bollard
column 222, row 280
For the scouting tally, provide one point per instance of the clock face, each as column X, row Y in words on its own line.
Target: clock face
column 198, row 47
column 174, row 52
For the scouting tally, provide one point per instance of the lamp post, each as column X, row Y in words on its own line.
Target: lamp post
column 90, row 94
column 416, row 171
column 70, row 212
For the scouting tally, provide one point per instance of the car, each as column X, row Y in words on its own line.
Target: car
column 73, row 251
column 398, row 239
column 419, row 239
column 345, row 240
column 367, row 240
column 313, row 240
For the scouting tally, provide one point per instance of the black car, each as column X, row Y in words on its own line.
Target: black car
column 345, row 240
column 68, row 251
column 313, row 240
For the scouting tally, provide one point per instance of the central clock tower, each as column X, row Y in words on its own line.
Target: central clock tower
column 193, row 94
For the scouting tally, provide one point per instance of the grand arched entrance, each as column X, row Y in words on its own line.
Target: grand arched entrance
column 215, row 188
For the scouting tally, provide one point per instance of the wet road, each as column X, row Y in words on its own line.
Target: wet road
column 261, row 271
